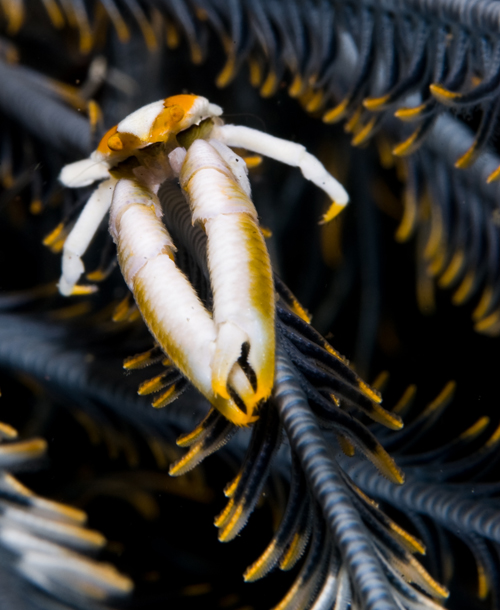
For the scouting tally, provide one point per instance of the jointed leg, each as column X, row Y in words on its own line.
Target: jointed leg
column 80, row 237
column 289, row 153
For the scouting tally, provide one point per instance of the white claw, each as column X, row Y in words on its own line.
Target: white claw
column 167, row 301
column 239, row 265
column 228, row 344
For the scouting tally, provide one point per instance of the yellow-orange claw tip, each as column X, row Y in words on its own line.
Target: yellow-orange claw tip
column 443, row 95
column 219, row 386
column 333, row 211
column 232, row 413
column 246, row 420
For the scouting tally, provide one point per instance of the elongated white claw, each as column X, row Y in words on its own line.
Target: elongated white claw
column 168, row 303
column 239, row 265
column 228, row 346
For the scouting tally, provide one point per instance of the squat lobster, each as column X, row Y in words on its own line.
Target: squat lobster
column 133, row 159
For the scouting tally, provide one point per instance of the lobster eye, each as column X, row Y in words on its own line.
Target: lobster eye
column 119, row 142
column 114, row 143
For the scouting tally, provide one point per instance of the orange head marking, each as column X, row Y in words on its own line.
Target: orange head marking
column 195, row 108
column 184, row 101
column 176, row 113
column 167, row 123
column 155, row 122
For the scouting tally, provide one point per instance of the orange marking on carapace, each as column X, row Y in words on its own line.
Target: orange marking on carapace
column 165, row 123
column 175, row 108
column 184, row 100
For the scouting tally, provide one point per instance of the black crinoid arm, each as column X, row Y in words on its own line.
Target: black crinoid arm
column 355, row 554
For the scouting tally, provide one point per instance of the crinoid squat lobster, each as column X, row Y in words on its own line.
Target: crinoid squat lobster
column 132, row 160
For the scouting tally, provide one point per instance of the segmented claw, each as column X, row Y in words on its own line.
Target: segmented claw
column 167, row 301
column 239, row 265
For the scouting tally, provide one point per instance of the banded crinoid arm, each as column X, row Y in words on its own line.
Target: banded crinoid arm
column 46, row 544
column 66, row 366
column 336, row 396
column 215, row 182
column 167, row 301
column 373, row 550
column 449, row 490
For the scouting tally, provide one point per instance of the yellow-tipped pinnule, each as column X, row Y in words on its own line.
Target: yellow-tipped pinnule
column 443, row 95
column 376, row 103
column 410, row 114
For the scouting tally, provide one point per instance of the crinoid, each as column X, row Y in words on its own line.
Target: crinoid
column 414, row 87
